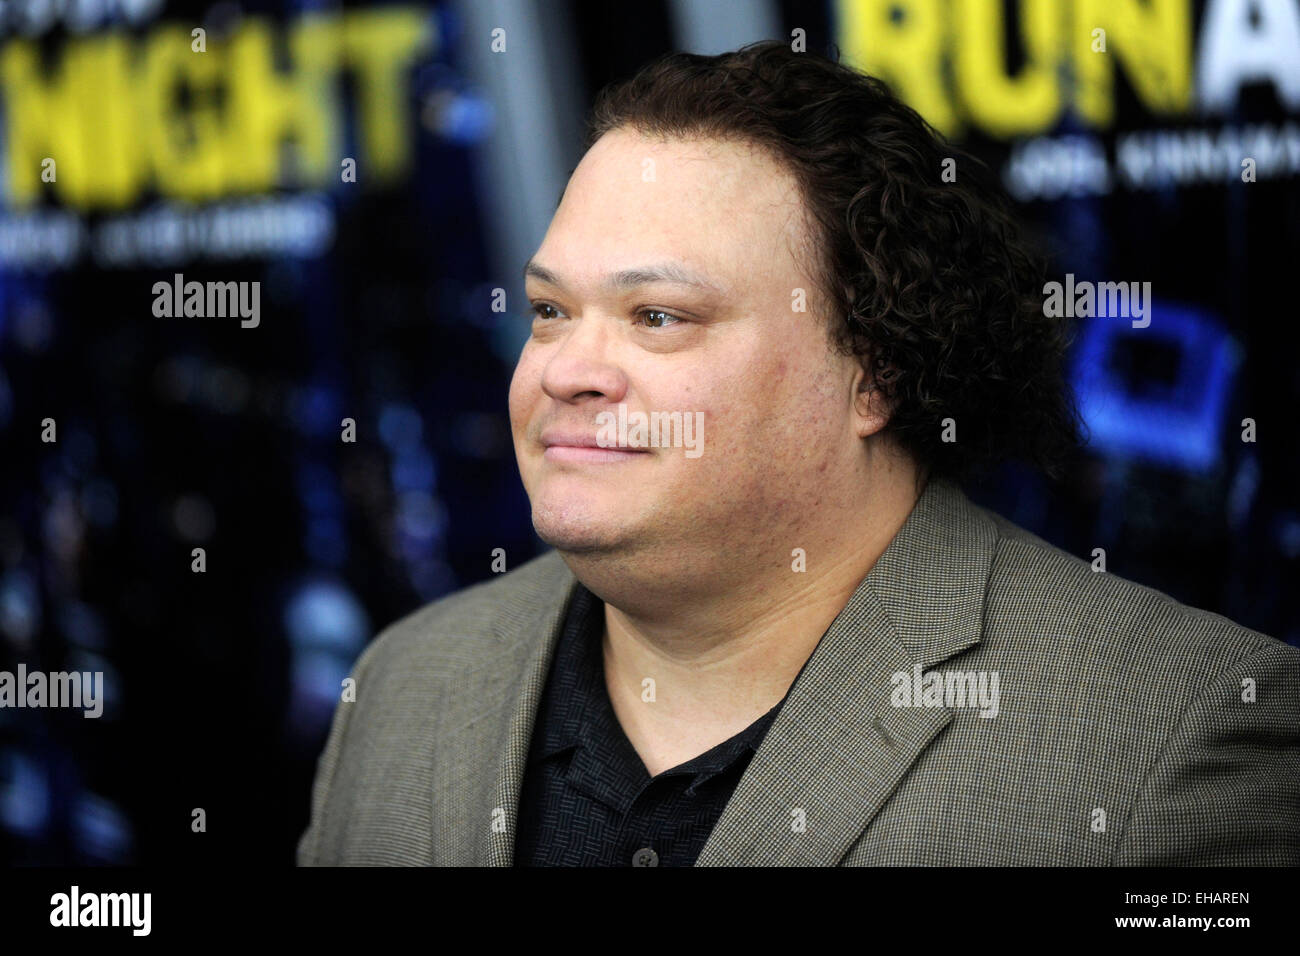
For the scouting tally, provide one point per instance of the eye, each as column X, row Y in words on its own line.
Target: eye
column 657, row 319
column 537, row 310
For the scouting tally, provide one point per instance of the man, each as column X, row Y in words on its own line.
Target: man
column 772, row 629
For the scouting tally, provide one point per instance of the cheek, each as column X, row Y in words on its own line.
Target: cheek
column 781, row 411
column 525, row 388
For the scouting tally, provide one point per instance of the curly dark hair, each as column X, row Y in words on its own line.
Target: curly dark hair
column 929, row 282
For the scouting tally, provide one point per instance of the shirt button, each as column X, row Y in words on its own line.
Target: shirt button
column 645, row 857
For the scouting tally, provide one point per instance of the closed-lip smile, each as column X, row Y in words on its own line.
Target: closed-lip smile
column 575, row 446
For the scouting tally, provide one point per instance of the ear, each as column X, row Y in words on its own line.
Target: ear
column 871, row 407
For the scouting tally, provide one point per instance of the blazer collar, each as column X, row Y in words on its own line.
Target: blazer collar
column 837, row 748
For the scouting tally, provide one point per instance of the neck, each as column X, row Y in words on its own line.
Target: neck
column 724, row 647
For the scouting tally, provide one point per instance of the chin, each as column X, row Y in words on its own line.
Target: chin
column 573, row 529
column 573, row 538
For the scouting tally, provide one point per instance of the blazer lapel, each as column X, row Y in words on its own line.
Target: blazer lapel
column 537, row 607
column 838, row 748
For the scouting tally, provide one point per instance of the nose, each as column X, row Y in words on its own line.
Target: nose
column 582, row 367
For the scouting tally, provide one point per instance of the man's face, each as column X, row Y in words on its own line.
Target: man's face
column 740, row 353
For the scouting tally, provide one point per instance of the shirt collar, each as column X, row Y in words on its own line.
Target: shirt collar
column 576, row 710
column 574, row 684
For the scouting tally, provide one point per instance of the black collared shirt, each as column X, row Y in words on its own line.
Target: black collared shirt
column 587, row 798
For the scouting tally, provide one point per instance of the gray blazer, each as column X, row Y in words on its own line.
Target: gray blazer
column 1130, row 729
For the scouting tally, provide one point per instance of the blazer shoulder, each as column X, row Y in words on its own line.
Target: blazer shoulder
column 484, row 618
column 1047, row 587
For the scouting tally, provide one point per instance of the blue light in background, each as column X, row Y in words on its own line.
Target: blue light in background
column 24, row 795
column 1178, row 423
column 20, row 607
column 317, row 410
column 323, row 613
column 400, row 426
column 327, row 627
column 102, row 830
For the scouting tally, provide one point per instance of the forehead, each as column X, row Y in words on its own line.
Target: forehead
column 723, row 207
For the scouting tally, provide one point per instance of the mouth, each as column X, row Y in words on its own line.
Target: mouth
column 590, row 453
column 579, row 446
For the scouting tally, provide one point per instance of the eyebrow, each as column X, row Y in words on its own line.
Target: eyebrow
column 631, row 278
